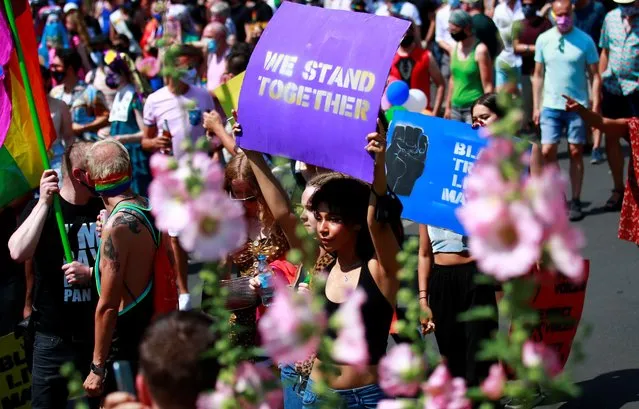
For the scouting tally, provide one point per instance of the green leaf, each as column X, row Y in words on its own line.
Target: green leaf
column 484, row 312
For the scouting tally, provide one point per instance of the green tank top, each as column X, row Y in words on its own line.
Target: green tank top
column 467, row 86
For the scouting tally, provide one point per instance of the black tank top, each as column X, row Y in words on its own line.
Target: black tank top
column 377, row 315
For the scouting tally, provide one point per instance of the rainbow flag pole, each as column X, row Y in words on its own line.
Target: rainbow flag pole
column 36, row 126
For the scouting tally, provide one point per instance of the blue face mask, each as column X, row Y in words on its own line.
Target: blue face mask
column 212, row 46
column 189, row 77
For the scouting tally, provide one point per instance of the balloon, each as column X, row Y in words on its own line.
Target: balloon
column 417, row 101
column 385, row 104
column 391, row 112
column 397, row 93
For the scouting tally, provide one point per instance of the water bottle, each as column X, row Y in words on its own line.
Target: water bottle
column 265, row 276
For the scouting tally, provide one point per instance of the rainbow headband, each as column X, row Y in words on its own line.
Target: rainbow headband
column 113, row 185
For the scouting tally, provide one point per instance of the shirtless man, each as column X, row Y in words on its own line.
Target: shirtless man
column 123, row 268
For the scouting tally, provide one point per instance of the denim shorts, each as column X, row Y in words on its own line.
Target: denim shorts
column 502, row 73
column 293, row 386
column 554, row 122
column 365, row 397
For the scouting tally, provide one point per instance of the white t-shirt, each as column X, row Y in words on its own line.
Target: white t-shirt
column 504, row 18
column 441, row 25
column 407, row 10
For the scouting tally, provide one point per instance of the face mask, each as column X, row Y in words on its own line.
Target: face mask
column 212, row 46
column 529, row 10
column 58, row 76
column 158, row 17
column 189, row 77
column 112, row 80
column 459, row 36
column 564, row 23
column 628, row 10
column 407, row 41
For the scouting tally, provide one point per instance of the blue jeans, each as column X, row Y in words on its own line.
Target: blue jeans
column 293, row 386
column 553, row 122
column 365, row 397
column 48, row 386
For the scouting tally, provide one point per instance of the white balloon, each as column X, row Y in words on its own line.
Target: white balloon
column 417, row 101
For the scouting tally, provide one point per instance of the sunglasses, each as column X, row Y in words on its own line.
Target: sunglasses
column 243, row 199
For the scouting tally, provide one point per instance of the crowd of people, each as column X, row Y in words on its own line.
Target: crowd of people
column 129, row 79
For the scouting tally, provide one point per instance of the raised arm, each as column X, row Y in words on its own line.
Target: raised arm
column 114, row 251
column 24, row 241
column 276, row 198
column 382, row 234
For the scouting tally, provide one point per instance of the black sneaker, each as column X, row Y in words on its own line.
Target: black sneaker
column 574, row 210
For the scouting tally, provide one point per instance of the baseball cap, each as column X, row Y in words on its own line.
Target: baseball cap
column 624, row 1
column 69, row 7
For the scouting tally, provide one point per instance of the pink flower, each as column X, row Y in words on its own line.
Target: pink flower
column 563, row 246
column 545, row 193
column 291, row 327
column 350, row 347
column 162, row 164
column 504, row 237
column 400, row 371
column 217, row 227
column 170, row 203
column 256, row 387
column 201, row 165
column 498, row 150
column 493, row 385
column 536, row 354
column 486, row 180
column 216, row 400
column 444, row 392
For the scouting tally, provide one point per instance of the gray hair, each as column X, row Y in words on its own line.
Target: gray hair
column 107, row 157
column 221, row 9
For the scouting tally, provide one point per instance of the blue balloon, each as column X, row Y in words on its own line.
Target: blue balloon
column 397, row 93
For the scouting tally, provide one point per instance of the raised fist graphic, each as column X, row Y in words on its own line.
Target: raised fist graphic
column 406, row 158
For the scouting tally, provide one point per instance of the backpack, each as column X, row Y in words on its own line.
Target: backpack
column 163, row 280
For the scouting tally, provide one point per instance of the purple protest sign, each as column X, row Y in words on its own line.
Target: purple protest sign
column 314, row 84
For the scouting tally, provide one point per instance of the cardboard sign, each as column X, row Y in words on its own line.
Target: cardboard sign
column 228, row 94
column 314, row 84
column 560, row 303
column 427, row 160
column 15, row 379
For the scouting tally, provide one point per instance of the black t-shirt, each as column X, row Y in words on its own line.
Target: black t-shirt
column 63, row 309
column 9, row 269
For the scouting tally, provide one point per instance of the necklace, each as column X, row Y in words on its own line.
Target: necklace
column 349, row 269
column 123, row 199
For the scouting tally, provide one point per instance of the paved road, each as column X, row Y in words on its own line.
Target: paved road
column 609, row 376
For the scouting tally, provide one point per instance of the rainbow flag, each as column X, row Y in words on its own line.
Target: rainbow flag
column 20, row 162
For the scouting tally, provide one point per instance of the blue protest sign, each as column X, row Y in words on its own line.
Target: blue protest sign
column 427, row 160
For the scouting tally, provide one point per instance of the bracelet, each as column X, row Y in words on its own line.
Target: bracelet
column 423, row 297
column 423, row 291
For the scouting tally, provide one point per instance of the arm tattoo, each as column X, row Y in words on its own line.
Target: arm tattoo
column 129, row 220
column 112, row 254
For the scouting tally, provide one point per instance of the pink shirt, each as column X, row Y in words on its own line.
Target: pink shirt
column 163, row 105
column 216, row 68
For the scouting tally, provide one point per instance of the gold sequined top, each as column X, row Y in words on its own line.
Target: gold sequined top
column 273, row 247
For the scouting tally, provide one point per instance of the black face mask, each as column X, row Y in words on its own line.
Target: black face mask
column 58, row 76
column 459, row 36
column 407, row 41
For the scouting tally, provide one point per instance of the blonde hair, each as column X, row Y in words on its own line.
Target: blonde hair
column 106, row 158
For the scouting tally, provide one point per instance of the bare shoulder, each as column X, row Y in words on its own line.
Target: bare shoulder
column 123, row 222
column 481, row 51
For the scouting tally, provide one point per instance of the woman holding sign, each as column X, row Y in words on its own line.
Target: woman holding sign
column 360, row 225
column 446, row 275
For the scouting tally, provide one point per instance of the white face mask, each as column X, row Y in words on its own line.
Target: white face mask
column 189, row 77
